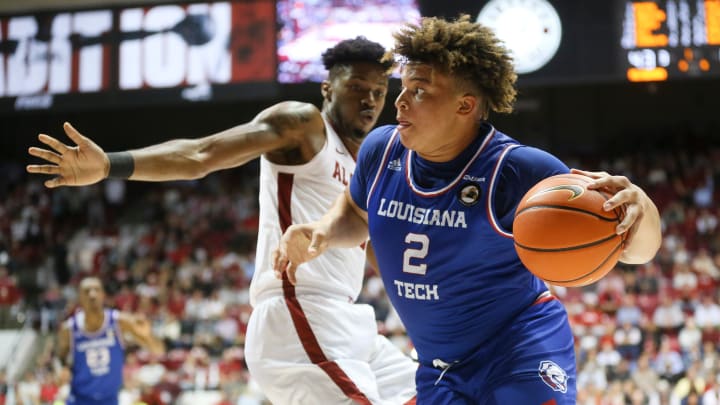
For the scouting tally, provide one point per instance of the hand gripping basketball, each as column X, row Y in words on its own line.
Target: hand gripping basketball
column 562, row 233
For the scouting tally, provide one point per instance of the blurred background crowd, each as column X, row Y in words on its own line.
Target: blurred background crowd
column 183, row 253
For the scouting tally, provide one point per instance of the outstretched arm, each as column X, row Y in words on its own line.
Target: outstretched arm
column 343, row 226
column 285, row 132
column 140, row 329
column 641, row 220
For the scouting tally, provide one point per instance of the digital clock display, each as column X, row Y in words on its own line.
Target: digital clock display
column 666, row 39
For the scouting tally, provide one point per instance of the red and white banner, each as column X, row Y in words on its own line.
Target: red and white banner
column 153, row 47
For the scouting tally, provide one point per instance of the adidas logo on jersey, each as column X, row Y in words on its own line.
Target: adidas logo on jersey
column 395, row 165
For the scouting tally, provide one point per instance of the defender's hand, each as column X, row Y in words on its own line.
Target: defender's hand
column 80, row 165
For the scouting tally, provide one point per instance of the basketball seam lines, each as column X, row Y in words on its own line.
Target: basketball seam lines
column 589, row 273
column 597, row 242
column 562, row 207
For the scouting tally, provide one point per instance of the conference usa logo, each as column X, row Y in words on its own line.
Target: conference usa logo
column 554, row 376
column 469, row 194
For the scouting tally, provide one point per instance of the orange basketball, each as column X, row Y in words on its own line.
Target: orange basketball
column 563, row 235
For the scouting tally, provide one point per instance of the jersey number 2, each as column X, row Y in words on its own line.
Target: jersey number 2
column 415, row 253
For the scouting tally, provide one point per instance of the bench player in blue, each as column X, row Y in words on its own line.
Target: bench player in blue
column 91, row 345
column 437, row 194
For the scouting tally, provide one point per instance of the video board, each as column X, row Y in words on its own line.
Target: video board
column 182, row 52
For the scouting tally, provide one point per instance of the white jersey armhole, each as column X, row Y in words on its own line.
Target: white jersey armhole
column 491, row 193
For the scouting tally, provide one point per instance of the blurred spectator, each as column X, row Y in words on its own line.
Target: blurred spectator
column 194, row 305
column 213, row 307
column 689, row 383
column 165, row 392
column 608, row 357
column 707, row 272
column 52, row 307
column 703, row 194
column 125, row 299
column 668, row 316
column 690, row 336
column 131, row 368
column 592, row 374
column 614, row 395
column 644, row 376
column 684, row 281
column 628, row 340
column 706, row 224
column 9, row 295
column 712, row 395
column 638, row 397
column 620, row 372
column 168, row 329
column 149, row 286
column 628, row 312
column 648, row 280
column 4, row 387
column 668, row 362
column 710, row 358
column 693, row 398
column 227, row 330
column 176, row 302
column 152, row 372
column 707, row 313
column 28, row 389
column 610, row 299
column 48, row 389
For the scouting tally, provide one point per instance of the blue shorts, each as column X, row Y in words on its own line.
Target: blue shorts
column 532, row 362
column 76, row 400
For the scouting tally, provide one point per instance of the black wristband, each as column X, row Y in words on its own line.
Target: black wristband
column 122, row 165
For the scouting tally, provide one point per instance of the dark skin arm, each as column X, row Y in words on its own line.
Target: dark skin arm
column 63, row 345
column 62, row 351
column 140, row 329
column 287, row 133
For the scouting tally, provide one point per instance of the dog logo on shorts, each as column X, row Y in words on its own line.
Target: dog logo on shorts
column 554, row 376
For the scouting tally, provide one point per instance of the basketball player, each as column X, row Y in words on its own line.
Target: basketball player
column 306, row 343
column 91, row 344
column 437, row 195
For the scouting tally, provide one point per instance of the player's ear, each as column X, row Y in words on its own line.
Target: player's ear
column 326, row 90
column 467, row 104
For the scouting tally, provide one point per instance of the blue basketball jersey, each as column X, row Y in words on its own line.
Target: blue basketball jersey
column 448, row 265
column 97, row 362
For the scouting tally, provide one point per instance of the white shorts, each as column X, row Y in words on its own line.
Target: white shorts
column 327, row 352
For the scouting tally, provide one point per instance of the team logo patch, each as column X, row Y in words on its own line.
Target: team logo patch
column 469, row 194
column 554, row 376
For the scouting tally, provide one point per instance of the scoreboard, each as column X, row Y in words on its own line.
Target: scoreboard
column 669, row 39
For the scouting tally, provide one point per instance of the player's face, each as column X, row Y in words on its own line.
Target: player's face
column 91, row 295
column 426, row 109
column 356, row 96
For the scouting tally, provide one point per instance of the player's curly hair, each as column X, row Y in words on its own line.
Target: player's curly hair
column 467, row 50
column 359, row 49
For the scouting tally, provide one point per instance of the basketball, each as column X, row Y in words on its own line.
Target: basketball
column 563, row 235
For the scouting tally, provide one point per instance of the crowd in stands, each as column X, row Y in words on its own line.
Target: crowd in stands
column 182, row 253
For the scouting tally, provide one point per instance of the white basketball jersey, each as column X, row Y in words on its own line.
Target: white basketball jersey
column 299, row 194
